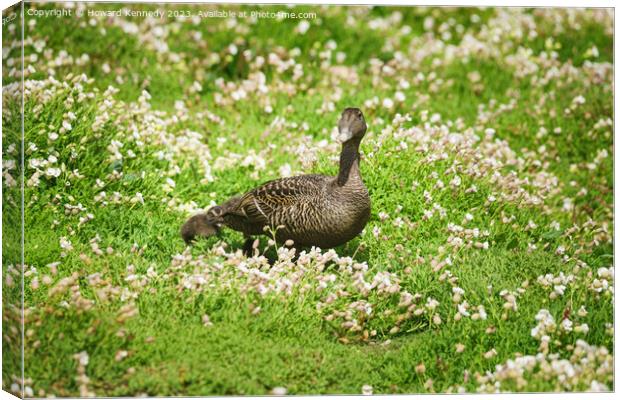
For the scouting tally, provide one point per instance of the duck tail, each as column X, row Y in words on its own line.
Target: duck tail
column 202, row 225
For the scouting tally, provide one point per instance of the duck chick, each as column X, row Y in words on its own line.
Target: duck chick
column 311, row 210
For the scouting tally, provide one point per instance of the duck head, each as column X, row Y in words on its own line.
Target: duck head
column 198, row 226
column 351, row 125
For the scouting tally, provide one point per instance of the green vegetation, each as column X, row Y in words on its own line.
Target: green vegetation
column 488, row 159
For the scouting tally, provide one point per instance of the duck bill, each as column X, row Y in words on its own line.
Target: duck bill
column 345, row 135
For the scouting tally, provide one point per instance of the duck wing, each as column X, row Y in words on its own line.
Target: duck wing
column 263, row 204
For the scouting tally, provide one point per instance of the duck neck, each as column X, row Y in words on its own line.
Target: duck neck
column 349, row 162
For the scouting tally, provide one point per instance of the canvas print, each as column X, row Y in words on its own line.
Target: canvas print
column 245, row 199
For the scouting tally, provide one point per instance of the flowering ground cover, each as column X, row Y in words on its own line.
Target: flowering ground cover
column 486, row 265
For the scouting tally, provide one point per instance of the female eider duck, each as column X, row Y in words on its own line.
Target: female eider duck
column 310, row 210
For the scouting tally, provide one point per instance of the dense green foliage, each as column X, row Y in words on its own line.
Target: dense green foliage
column 488, row 160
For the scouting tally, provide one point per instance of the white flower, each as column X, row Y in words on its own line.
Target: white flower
column 388, row 103
column 582, row 312
column 429, row 22
column 285, row 170
column 431, row 303
column 579, row 100
column 206, row 321
column 605, row 273
column 303, row 26
column 474, row 76
column 367, row 390
column 567, row 325
column 546, row 323
column 596, row 386
column 456, row 181
column 567, row 204
column 138, row 198
column 279, row 391
column 559, row 289
column 36, row 163
column 490, row 354
column 65, row 243
column 463, row 309
column 53, row 172
column 196, row 86
column 594, row 51
column 482, row 312
column 82, row 358
column 583, row 328
column 120, row 355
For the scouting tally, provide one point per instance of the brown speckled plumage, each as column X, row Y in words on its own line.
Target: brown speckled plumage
column 312, row 210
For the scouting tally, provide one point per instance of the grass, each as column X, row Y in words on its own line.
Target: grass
column 296, row 339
